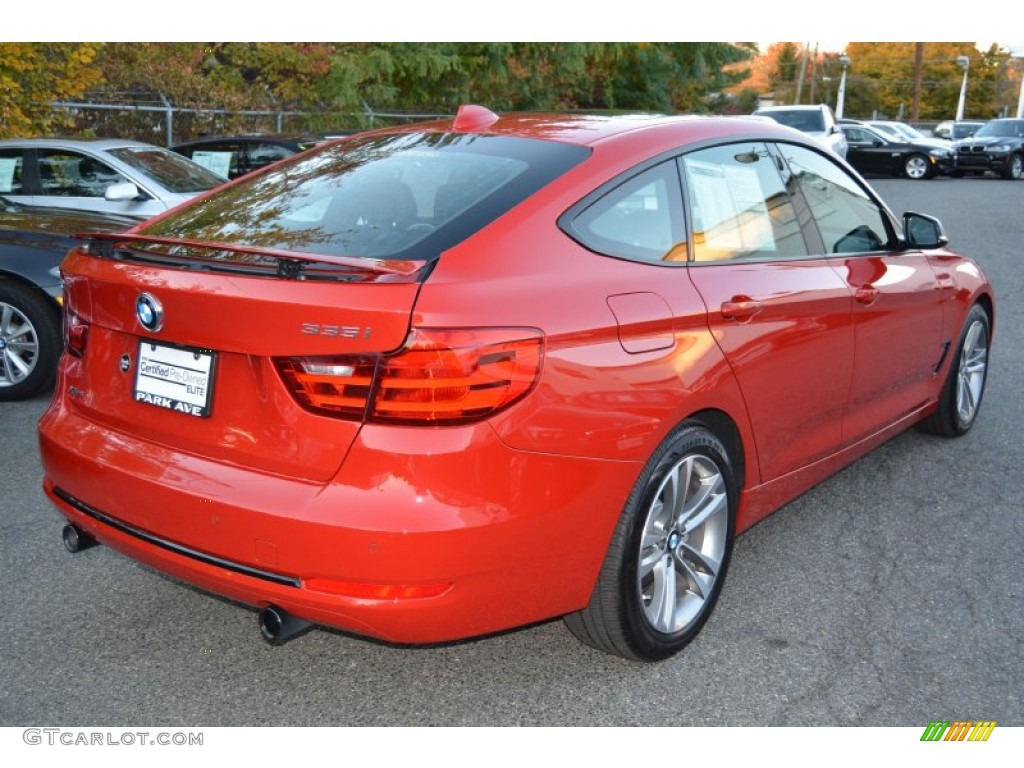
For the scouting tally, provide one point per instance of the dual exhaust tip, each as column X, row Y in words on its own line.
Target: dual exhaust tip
column 277, row 626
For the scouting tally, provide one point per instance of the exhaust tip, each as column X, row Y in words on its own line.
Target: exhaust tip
column 75, row 539
column 277, row 626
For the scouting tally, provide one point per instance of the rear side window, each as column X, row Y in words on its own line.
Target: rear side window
column 848, row 219
column 739, row 207
column 397, row 196
column 640, row 219
column 11, row 167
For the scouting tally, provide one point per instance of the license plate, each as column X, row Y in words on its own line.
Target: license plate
column 176, row 378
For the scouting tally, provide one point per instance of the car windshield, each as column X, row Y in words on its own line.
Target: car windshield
column 396, row 196
column 963, row 130
column 907, row 131
column 801, row 119
column 171, row 171
column 1002, row 128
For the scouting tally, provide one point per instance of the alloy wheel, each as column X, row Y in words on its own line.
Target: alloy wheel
column 683, row 544
column 19, row 345
column 971, row 372
column 916, row 167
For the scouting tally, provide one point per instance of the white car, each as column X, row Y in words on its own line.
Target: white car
column 130, row 178
column 815, row 120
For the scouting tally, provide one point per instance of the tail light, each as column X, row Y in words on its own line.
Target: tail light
column 440, row 376
column 76, row 333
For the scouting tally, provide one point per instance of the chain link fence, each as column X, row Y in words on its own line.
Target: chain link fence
column 154, row 119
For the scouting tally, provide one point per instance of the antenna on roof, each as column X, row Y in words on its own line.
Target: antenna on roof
column 473, row 117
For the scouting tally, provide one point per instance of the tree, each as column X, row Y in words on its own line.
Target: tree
column 34, row 74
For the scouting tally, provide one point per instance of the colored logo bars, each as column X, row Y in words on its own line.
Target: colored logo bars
column 959, row 730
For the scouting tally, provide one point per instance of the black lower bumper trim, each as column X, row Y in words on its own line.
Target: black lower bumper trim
column 248, row 570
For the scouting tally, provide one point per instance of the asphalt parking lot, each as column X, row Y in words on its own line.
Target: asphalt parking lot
column 889, row 595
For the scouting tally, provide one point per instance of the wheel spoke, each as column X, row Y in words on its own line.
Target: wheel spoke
column 5, row 320
column 18, row 369
column 707, row 564
column 695, row 580
column 712, row 501
column 649, row 558
column 676, row 486
column 663, row 597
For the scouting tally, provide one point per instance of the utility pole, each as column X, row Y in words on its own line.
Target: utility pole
column 814, row 78
column 803, row 70
column 915, row 107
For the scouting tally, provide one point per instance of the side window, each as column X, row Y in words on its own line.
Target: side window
column 739, row 207
column 848, row 219
column 265, row 154
column 69, row 174
column 11, row 170
column 640, row 219
column 222, row 159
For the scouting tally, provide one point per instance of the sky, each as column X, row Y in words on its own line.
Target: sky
column 533, row 20
column 529, row 20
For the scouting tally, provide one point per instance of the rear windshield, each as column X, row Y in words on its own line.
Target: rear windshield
column 397, row 196
column 801, row 119
column 171, row 171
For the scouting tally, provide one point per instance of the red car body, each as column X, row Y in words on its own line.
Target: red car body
column 397, row 519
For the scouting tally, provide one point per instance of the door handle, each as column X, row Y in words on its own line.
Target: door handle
column 866, row 294
column 741, row 308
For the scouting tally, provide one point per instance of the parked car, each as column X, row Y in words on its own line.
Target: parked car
column 130, row 178
column 234, row 156
column 956, row 129
column 897, row 130
column 438, row 381
column 998, row 146
column 33, row 241
column 815, row 120
column 869, row 151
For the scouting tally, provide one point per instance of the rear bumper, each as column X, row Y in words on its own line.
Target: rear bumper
column 498, row 537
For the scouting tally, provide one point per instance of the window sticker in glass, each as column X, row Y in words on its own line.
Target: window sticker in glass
column 739, row 207
column 216, row 162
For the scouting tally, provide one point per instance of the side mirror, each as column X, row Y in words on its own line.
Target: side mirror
column 920, row 231
column 877, row 143
column 121, row 192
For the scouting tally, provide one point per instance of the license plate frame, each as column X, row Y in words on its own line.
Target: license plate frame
column 175, row 377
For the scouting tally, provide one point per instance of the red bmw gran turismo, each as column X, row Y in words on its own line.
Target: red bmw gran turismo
column 436, row 381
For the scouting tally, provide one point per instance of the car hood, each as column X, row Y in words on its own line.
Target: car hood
column 986, row 141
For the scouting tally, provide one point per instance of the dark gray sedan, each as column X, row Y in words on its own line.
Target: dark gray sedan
column 33, row 242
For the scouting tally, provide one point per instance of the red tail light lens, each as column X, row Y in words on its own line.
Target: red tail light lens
column 332, row 386
column 76, row 333
column 450, row 376
column 440, row 376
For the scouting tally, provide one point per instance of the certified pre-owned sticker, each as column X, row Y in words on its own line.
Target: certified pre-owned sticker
column 177, row 378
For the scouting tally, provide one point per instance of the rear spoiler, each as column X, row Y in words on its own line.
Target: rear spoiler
column 290, row 263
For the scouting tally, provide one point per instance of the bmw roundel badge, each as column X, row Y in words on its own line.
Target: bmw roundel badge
column 150, row 312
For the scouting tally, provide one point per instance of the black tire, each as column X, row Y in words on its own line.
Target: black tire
column 660, row 552
column 964, row 387
column 916, row 167
column 1015, row 167
column 30, row 341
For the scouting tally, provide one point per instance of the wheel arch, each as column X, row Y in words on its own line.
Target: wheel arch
column 986, row 303
column 726, row 430
column 22, row 281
